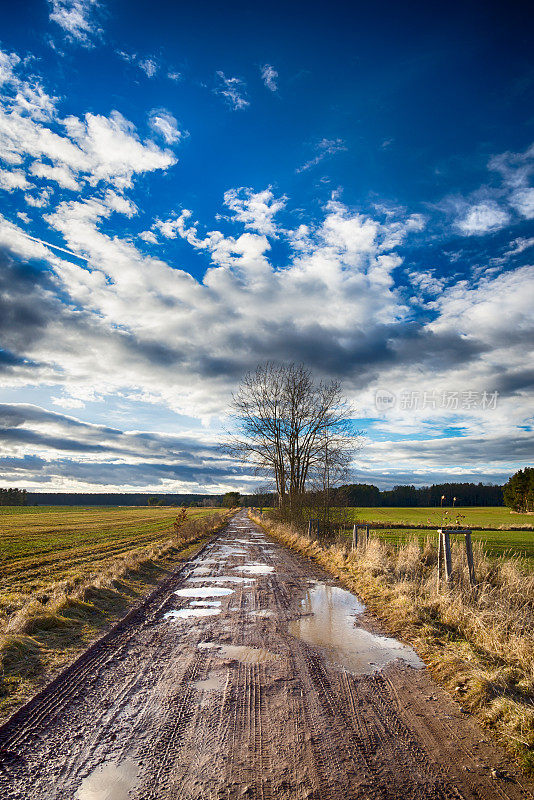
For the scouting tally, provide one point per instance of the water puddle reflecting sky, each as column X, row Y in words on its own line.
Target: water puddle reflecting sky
column 203, row 591
column 256, row 569
column 330, row 623
column 188, row 613
column 221, row 579
column 109, row 782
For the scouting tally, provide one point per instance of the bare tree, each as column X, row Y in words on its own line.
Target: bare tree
column 293, row 429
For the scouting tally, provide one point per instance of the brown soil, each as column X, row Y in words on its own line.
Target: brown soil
column 231, row 705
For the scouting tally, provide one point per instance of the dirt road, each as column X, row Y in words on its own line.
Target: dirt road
column 248, row 674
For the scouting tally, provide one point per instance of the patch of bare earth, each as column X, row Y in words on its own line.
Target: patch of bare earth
column 222, row 701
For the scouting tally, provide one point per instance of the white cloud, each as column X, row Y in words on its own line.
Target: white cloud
column 149, row 66
column 112, row 151
column 483, row 218
column 233, row 90
column 269, row 76
column 40, row 200
column 23, row 216
column 255, row 209
column 96, row 148
column 78, row 18
column 163, row 123
column 149, row 237
column 62, row 175
column 324, row 148
column 14, row 179
column 523, row 201
column 7, row 63
column 174, row 76
column 34, row 101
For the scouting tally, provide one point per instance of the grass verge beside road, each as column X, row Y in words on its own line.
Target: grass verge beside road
column 478, row 642
column 66, row 580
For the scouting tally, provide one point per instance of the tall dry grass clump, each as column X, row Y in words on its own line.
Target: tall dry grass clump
column 477, row 640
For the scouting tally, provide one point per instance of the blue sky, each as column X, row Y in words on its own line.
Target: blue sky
column 188, row 191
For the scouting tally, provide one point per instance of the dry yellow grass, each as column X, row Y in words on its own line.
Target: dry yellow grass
column 477, row 641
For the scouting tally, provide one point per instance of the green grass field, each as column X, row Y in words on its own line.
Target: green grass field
column 471, row 516
column 40, row 546
column 494, row 542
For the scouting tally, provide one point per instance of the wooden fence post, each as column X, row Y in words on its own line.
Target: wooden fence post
column 367, row 533
column 318, row 528
column 469, row 554
column 309, row 528
column 354, row 537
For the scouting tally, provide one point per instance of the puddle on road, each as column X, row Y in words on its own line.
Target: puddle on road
column 228, row 550
column 187, row 613
column 109, row 782
column 329, row 623
column 221, row 579
column 203, row 591
column 206, row 603
column 239, row 652
column 256, row 569
column 213, row 683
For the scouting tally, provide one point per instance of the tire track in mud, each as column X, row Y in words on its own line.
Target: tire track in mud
column 233, row 706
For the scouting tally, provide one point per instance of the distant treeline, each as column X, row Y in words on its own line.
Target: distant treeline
column 13, row 497
column 367, row 495
column 466, row 494
column 355, row 494
column 116, row 499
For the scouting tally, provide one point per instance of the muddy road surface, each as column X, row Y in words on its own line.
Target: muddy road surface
column 248, row 674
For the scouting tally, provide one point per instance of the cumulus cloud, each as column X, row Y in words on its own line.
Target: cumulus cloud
column 523, row 201
column 13, row 179
column 269, row 76
column 8, row 62
column 60, row 174
column 92, row 149
column 78, row 19
column 483, row 218
column 255, row 210
column 233, row 90
column 163, row 123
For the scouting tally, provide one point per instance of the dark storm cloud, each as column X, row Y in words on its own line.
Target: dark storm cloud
column 470, row 449
column 27, row 305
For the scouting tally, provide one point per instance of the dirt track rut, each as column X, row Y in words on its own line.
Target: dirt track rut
column 232, row 705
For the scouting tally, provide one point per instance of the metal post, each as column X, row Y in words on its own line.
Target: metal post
column 469, row 554
column 448, row 558
column 439, row 559
column 367, row 533
column 354, row 537
column 309, row 528
column 318, row 528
